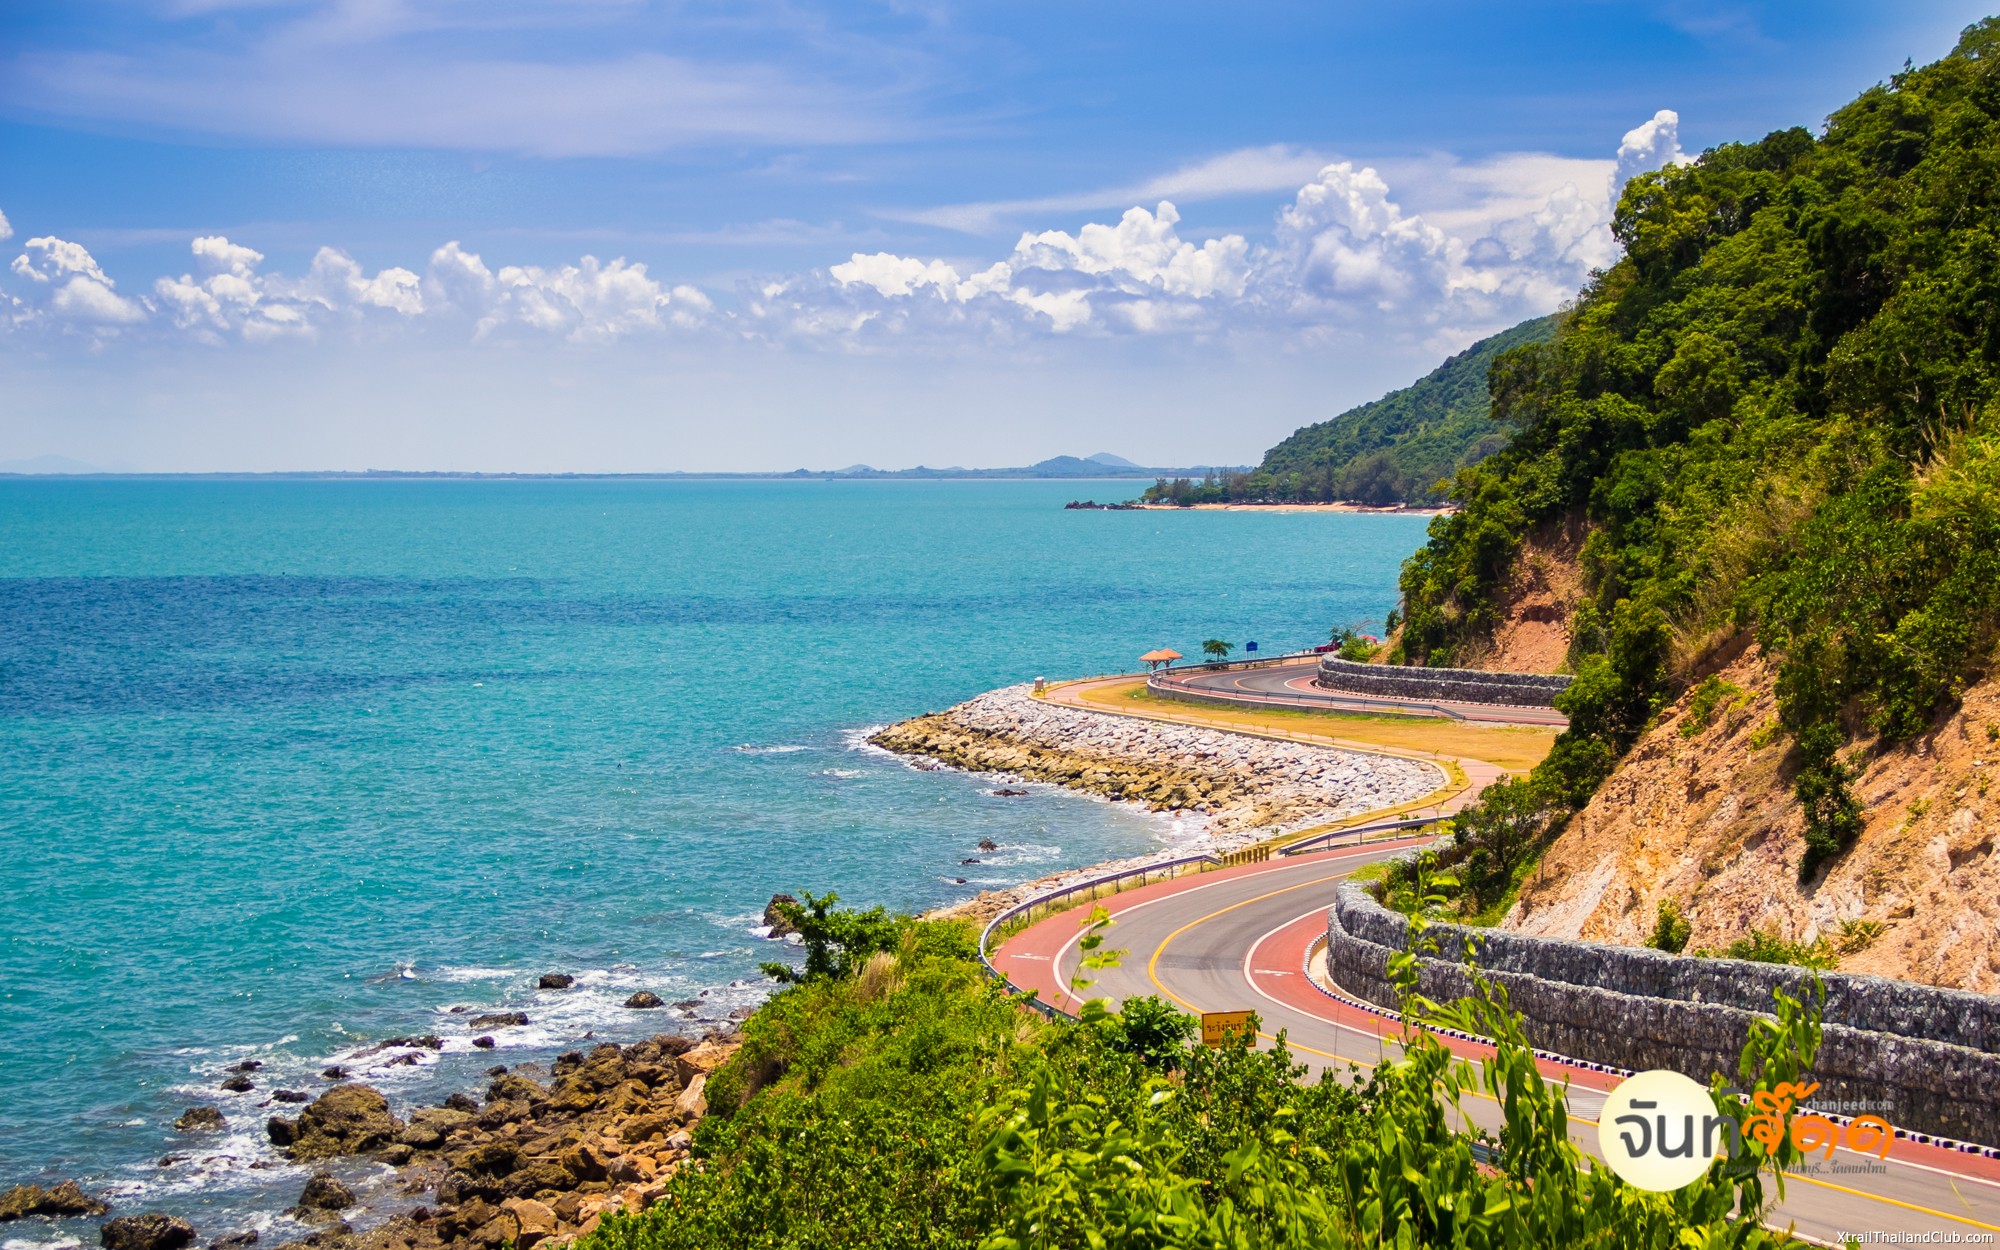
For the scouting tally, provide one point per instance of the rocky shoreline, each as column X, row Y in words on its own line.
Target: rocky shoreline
column 1243, row 788
column 542, row 1156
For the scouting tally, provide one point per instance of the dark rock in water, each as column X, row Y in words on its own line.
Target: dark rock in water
column 290, row 1095
column 462, row 1101
column 335, row 1073
column 402, row 1061
column 396, row 1154
column 429, row 1041
column 568, row 1061
column 497, row 1070
column 283, row 1130
column 555, row 981
column 483, row 1042
column 958, row 880
column 988, row 844
column 66, row 1198
column 497, row 1020
column 688, row 1004
column 201, row 1120
column 167, row 1161
column 324, row 1193
column 1004, row 793
column 773, row 917
column 968, row 861
column 345, row 1120
column 644, row 999
column 248, row 1065
column 151, row 1231
column 239, row 1085
column 235, row 1241
column 742, row 1013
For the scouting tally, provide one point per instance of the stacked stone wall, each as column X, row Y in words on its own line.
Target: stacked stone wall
column 1459, row 685
column 1922, row 1054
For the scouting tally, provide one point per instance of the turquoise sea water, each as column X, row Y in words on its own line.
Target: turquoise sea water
column 287, row 767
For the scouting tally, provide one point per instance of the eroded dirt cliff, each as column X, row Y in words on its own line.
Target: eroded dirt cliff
column 1708, row 821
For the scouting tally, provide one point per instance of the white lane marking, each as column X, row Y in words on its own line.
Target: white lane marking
column 1316, row 859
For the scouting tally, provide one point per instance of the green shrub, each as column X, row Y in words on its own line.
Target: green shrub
column 1671, row 932
column 1702, row 704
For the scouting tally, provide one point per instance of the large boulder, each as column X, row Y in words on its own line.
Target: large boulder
column 324, row 1194
column 555, row 981
column 201, row 1120
column 345, row 1120
column 645, row 1000
column 779, row 926
column 64, row 1199
column 497, row 1020
column 151, row 1231
column 702, row 1060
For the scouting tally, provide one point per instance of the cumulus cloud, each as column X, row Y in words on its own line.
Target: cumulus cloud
column 6, row 228
column 1501, row 240
column 1513, row 237
column 76, row 291
column 1653, row 144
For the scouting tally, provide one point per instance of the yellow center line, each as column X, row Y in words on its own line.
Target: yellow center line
column 1152, row 974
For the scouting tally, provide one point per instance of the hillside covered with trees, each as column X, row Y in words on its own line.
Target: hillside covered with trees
column 1401, row 448
column 1777, row 420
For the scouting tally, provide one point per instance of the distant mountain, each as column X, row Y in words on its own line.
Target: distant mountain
column 48, row 464
column 1110, row 461
column 1101, row 465
column 1397, row 448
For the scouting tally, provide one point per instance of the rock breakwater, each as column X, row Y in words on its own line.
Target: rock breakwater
column 1246, row 787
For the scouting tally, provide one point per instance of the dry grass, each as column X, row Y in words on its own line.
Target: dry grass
column 1516, row 748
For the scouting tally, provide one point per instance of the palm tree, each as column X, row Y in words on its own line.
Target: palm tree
column 1217, row 650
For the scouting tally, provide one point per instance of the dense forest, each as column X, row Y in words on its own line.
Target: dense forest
column 1778, row 417
column 1401, row 448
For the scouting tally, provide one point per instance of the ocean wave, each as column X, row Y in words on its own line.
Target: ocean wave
column 785, row 748
column 842, row 774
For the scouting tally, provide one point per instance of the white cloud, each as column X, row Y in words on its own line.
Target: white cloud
column 6, row 229
column 1650, row 145
column 1496, row 241
column 1246, row 171
column 76, row 291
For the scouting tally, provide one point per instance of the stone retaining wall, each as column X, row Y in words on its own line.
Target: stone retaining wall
column 1459, row 685
column 1925, row 1052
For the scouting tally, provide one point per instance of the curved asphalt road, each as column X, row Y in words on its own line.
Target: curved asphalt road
column 1237, row 938
column 1291, row 685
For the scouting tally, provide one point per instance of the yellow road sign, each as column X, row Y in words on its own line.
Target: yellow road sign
column 1218, row 1025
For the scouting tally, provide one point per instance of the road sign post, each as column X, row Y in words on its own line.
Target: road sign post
column 1216, row 1026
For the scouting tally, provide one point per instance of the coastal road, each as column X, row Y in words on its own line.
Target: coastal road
column 1291, row 685
column 1238, row 938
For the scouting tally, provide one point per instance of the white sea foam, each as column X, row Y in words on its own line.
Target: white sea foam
column 842, row 774
column 785, row 748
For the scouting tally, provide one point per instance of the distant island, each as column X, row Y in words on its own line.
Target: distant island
column 1100, row 466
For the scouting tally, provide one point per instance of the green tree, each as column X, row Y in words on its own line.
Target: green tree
column 1216, row 649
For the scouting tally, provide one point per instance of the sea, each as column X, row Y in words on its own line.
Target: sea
column 289, row 767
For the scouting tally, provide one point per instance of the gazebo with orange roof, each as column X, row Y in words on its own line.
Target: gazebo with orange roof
column 1157, row 658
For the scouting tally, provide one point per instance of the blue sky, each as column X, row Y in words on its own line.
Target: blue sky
column 621, row 235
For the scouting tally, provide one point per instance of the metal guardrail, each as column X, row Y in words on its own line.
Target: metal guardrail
column 1159, row 870
column 1323, row 841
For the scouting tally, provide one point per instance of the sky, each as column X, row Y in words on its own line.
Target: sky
column 637, row 236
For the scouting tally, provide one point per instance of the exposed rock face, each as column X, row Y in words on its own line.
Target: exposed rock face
column 1247, row 786
column 1709, row 822
column 201, row 1120
column 555, row 981
column 644, row 1000
column 1534, row 605
column 345, row 1120
column 65, row 1199
column 151, row 1231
